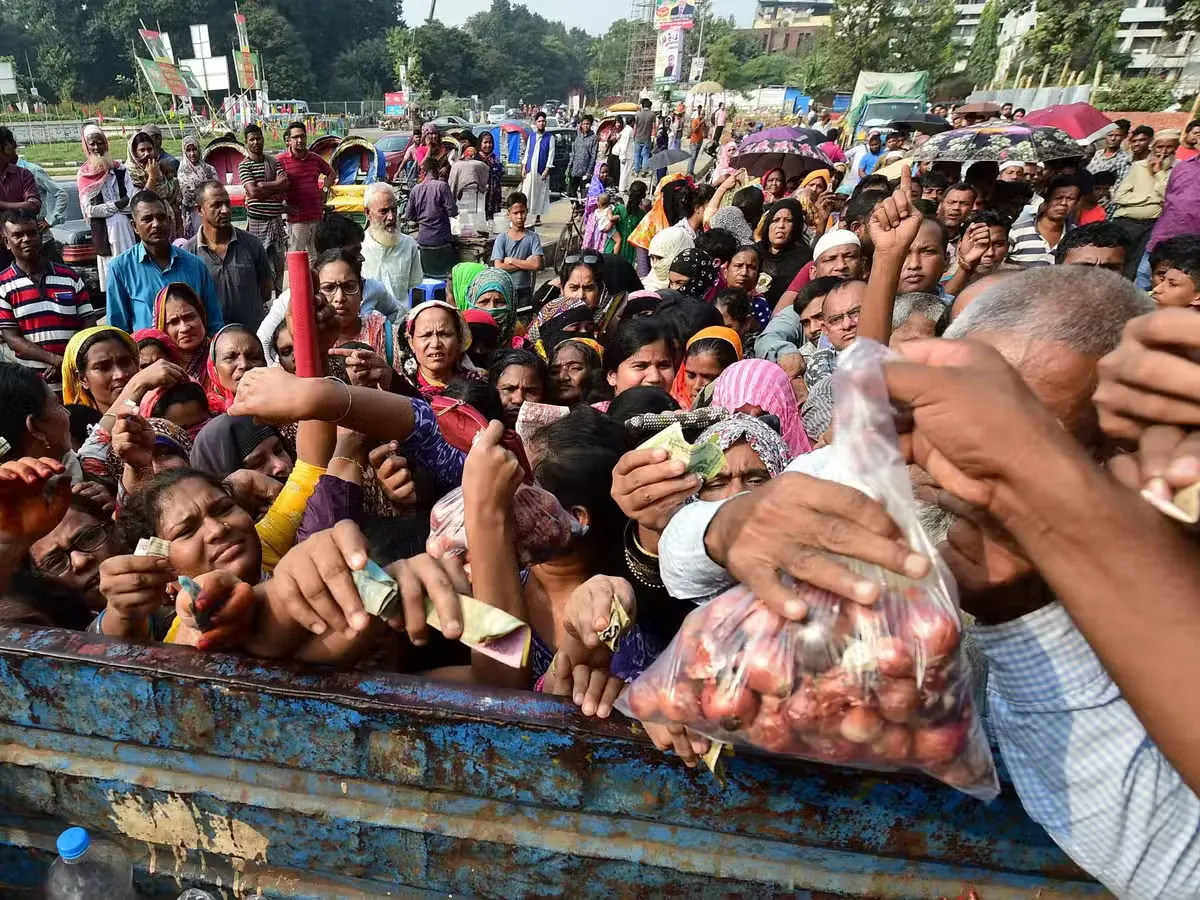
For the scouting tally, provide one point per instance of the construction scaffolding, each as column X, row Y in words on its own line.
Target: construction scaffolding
column 643, row 40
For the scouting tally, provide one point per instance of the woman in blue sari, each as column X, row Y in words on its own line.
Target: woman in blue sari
column 487, row 153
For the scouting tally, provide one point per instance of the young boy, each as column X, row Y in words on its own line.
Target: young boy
column 519, row 251
column 1175, row 272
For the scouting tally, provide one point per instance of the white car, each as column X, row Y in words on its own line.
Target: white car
column 496, row 114
column 450, row 122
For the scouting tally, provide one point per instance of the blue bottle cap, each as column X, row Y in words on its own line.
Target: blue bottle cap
column 73, row 843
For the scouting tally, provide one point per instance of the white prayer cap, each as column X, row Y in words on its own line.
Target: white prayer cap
column 1012, row 164
column 836, row 238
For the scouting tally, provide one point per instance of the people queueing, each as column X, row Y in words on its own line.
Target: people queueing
column 1050, row 413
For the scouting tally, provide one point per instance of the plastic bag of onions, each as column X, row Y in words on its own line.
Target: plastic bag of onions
column 886, row 686
column 544, row 529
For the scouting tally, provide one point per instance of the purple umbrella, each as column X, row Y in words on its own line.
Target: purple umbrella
column 784, row 133
column 758, row 155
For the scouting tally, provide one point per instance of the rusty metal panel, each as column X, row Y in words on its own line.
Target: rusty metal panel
column 308, row 782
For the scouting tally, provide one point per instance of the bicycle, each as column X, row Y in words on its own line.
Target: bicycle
column 570, row 239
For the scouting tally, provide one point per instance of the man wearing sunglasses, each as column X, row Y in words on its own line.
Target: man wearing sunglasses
column 71, row 554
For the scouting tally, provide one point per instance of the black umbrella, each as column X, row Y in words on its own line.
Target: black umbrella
column 926, row 123
column 664, row 158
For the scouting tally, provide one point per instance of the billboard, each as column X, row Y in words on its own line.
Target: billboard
column 697, row 69
column 156, row 45
column 8, row 78
column 394, row 103
column 153, row 76
column 674, row 13
column 211, row 73
column 669, row 55
column 245, row 63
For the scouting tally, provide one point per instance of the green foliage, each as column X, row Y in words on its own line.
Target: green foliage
column 362, row 70
column 607, row 55
column 1074, row 34
column 286, row 62
column 985, row 49
column 926, row 40
column 1185, row 16
column 1133, row 95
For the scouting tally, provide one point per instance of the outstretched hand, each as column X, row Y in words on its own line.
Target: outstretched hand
column 32, row 502
column 894, row 224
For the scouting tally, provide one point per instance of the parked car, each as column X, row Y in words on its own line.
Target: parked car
column 392, row 146
column 496, row 114
column 450, row 122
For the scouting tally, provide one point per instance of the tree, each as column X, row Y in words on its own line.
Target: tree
column 1134, row 95
column 1074, row 34
column 861, row 38
column 924, row 41
column 985, row 49
column 608, row 54
column 286, row 61
column 1184, row 17
column 362, row 70
column 725, row 51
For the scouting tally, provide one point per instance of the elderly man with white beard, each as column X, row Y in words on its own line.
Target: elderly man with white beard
column 389, row 255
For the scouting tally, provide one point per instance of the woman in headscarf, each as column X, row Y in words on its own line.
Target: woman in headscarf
column 148, row 173
column 105, row 189
column 755, row 386
column 695, row 273
column 97, row 365
column 461, row 277
column 228, row 443
column 485, row 337
column 234, row 351
column 754, row 454
column 172, row 445
column 663, row 214
column 193, row 172
column 487, row 153
column 664, row 247
column 431, row 144
column 708, row 353
column 725, row 156
column 153, row 345
column 179, row 312
column 812, row 187
column 576, row 371
column 595, row 189
column 782, row 245
column 492, row 290
column 558, row 320
column 439, row 339
column 774, row 186
column 733, row 220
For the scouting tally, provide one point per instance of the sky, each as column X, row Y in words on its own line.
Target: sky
column 593, row 17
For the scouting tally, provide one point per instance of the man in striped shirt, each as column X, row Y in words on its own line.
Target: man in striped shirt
column 1033, row 237
column 42, row 303
column 266, row 187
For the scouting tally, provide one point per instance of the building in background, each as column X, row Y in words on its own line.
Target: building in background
column 789, row 26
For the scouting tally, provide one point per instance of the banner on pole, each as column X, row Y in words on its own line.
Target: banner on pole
column 243, row 37
column 156, row 45
column 153, row 76
column 244, row 64
column 667, row 58
column 674, row 14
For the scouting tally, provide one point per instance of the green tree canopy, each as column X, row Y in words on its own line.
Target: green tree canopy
column 1077, row 35
column 985, row 49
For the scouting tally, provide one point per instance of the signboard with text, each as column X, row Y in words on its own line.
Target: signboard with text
column 394, row 103
column 674, row 13
column 669, row 56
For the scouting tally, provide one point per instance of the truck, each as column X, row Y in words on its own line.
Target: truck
column 261, row 779
column 883, row 97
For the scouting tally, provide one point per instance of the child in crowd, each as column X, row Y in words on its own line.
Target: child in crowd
column 1175, row 272
column 603, row 216
column 518, row 251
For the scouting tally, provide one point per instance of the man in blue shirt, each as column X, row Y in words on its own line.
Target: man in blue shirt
column 866, row 164
column 137, row 275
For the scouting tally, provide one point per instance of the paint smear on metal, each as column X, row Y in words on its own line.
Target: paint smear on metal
column 176, row 823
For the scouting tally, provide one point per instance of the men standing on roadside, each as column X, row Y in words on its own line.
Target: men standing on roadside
column 236, row 260
column 304, row 192
column 583, row 159
column 18, row 189
column 266, row 186
column 539, row 159
column 643, row 137
column 42, row 303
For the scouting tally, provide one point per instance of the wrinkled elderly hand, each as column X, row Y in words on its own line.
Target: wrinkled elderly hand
column 649, row 487
column 1153, row 377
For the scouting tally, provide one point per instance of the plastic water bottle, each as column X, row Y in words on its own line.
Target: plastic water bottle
column 89, row 870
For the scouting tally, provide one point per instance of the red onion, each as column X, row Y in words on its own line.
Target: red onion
column 938, row 745
column 680, row 702
column 894, row 744
column 817, row 642
column 861, row 725
column 729, row 705
column 835, row 691
column 897, row 699
column 760, row 624
column 931, row 631
column 770, row 731
column 708, row 658
column 643, row 699
column 832, row 749
column 893, row 658
column 801, row 709
column 859, row 659
column 767, row 667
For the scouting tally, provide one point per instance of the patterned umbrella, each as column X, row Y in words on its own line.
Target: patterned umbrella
column 784, row 133
column 999, row 141
column 760, row 153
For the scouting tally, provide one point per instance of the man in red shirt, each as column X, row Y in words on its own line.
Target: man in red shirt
column 696, row 135
column 18, row 190
column 305, row 197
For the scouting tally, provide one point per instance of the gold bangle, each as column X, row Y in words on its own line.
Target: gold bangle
column 349, row 397
column 352, row 462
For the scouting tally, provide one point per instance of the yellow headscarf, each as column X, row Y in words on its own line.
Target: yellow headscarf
column 73, row 389
column 813, row 176
column 721, row 333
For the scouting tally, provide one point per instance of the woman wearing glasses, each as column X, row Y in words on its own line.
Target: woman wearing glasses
column 339, row 280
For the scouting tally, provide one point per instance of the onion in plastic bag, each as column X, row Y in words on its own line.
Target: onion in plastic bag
column 886, row 686
column 544, row 529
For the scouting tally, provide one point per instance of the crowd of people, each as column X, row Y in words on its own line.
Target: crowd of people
column 1043, row 339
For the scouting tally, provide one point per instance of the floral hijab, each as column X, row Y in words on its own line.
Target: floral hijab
column 767, row 443
column 192, row 176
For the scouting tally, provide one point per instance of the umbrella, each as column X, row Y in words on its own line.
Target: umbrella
column 784, row 133
column 708, row 87
column 664, row 158
column 926, row 123
column 983, row 108
column 999, row 141
column 759, row 155
column 1081, row 121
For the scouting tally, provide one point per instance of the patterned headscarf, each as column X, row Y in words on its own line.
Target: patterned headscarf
column 157, row 334
column 550, row 331
column 664, row 247
column 496, row 280
column 461, row 277
column 733, row 220
column 171, row 435
column 762, row 383
column 769, row 446
column 95, row 169
column 700, row 269
column 73, row 367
